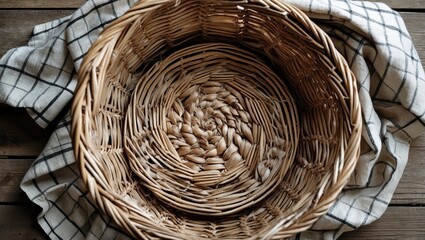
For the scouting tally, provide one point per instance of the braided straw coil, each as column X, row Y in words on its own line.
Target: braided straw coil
column 207, row 119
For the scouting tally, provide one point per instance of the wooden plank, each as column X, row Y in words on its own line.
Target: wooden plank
column 396, row 4
column 419, row 141
column 11, row 173
column 16, row 26
column 396, row 223
column 415, row 23
column 411, row 189
column 405, row 4
column 18, row 222
column 19, row 134
column 41, row 4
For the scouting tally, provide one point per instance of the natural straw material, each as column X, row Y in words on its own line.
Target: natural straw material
column 122, row 133
column 211, row 130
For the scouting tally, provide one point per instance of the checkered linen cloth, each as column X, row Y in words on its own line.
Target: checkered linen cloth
column 373, row 38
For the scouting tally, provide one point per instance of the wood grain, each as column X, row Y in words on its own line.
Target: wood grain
column 11, row 173
column 404, row 4
column 419, row 142
column 7, row 4
column 18, row 222
column 411, row 189
column 415, row 23
column 396, row 223
column 15, row 30
column 19, row 134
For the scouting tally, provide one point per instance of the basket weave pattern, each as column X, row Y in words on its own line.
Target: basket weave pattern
column 215, row 135
column 142, row 137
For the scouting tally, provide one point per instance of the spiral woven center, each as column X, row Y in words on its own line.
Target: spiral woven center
column 214, row 136
column 207, row 132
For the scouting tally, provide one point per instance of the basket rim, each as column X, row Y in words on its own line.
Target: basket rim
column 348, row 158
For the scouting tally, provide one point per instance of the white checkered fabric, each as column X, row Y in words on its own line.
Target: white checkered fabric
column 373, row 38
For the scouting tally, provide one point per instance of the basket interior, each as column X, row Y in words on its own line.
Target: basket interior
column 211, row 130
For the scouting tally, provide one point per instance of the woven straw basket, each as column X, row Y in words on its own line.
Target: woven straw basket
column 207, row 119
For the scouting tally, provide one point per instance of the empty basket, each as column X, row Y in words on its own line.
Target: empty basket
column 215, row 119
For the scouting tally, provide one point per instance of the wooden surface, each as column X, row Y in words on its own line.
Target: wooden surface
column 21, row 140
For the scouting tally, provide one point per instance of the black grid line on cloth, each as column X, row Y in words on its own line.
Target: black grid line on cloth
column 348, row 37
column 357, row 51
column 93, row 29
column 342, row 221
column 97, row 28
column 39, row 116
column 415, row 75
column 415, row 119
column 8, row 57
column 60, row 208
column 53, row 26
column 352, row 205
column 369, row 133
column 379, row 200
column 345, row 222
column 33, row 76
column 390, row 56
column 60, row 152
column 341, row 29
column 65, row 217
column 368, row 183
column 379, row 192
column 47, row 222
column 64, row 125
column 54, row 99
column 383, row 23
column 310, row 6
column 413, row 56
column 90, row 41
column 375, row 198
column 15, row 83
column 415, row 92
column 96, row 8
column 104, row 219
column 51, row 47
column 329, row 8
column 42, row 178
column 377, row 9
column 71, row 208
column 406, row 59
column 37, row 80
column 40, row 191
column 398, row 28
column 366, row 14
column 70, row 78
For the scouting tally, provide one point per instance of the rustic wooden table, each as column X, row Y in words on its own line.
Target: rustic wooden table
column 21, row 140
